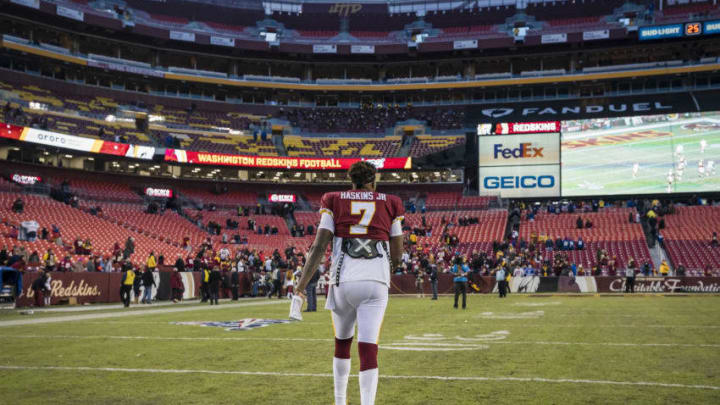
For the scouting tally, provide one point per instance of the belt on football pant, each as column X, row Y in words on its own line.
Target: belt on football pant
column 360, row 249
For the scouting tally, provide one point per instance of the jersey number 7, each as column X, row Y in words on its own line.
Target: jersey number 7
column 367, row 210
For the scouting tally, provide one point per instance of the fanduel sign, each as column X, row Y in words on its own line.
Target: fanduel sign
column 570, row 111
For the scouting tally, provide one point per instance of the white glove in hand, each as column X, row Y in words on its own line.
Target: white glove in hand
column 296, row 304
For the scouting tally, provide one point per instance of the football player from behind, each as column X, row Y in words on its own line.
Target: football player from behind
column 367, row 242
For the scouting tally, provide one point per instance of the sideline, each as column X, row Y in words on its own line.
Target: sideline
column 282, row 339
column 391, row 377
column 69, row 318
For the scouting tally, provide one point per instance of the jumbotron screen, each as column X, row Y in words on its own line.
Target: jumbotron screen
column 673, row 153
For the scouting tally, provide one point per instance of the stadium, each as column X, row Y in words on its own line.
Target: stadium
column 490, row 201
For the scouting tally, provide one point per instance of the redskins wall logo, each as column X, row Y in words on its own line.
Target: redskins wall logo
column 243, row 324
column 702, row 126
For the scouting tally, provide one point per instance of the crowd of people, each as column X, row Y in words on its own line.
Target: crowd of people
column 275, row 274
column 370, row 118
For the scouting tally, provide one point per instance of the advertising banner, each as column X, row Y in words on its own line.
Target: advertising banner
column 126, row 68
column 27, row 3
column 595, row 35
column 467, row 44
column 527, row 127
column 222, row 41
column 158, row 192
column 282, row 198
column 514, row 150
column 660, row 31
column 553, row 38
column 11, row 131
column 204, row 158
column 70, row 13
column 25, row 180
column 405, row 284
column 521, row 181
column 362, row 49
column 140, row 152
column 661, row 284
column 61, row 141
column 711, row 27
column 85, row 287
column 75, row 142
column 182, row 36
column 324, row 48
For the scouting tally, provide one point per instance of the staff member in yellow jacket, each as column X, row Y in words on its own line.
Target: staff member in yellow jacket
column 126, row 285
column 205, row 285
column 151, row 261
column 664, row 269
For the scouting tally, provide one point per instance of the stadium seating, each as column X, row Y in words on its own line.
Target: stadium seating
column 75, row 223
column 490, row 227
column 206, row 130
column 229, row 199
column 687, row 236
column 305, row 218
column 342, row 147
column 610, row 231
column 474, row 202
column 441, row 201
column 426, row 144
column 103, row 191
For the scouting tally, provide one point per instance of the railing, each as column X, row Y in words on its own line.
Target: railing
column 403, row 83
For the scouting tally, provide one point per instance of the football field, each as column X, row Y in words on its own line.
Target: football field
column 523, row 349
column 638, row 159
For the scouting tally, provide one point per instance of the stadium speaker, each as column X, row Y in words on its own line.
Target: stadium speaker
column 141, row 123
column 471, row 149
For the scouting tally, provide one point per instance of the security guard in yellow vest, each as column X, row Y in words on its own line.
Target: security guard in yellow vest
column 126, row 285
column 205, row 285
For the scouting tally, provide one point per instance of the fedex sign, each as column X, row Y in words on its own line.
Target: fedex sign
column 513, row 150
column 525, row 150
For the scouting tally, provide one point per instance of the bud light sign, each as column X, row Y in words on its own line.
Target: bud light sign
column 521, row 181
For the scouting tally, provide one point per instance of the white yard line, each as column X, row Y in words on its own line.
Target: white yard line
column 243, row 338
column 144, row 312
column 385, row 376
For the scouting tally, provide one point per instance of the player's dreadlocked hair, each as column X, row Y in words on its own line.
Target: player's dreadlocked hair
column 362, row 173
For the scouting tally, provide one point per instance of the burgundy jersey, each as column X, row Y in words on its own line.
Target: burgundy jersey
column 362, row 214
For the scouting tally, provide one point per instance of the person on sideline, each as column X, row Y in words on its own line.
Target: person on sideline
column 365, row 228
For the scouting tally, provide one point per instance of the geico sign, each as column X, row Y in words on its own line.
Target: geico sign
column 158, row 192
column 514, row 182
column 526, row 150
column 282, row 198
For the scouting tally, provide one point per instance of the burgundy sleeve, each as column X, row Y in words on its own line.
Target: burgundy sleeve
column 326, row 204
column 398, row 208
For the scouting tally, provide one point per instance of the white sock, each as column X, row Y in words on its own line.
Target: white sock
column 368, row 386
column 341, row 372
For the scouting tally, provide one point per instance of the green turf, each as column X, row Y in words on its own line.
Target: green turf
column 607, row 169
column 531, row 349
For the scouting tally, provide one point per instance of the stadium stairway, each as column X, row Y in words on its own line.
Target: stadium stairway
column 657, row 254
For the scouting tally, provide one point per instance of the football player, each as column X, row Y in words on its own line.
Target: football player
column 367, row 242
